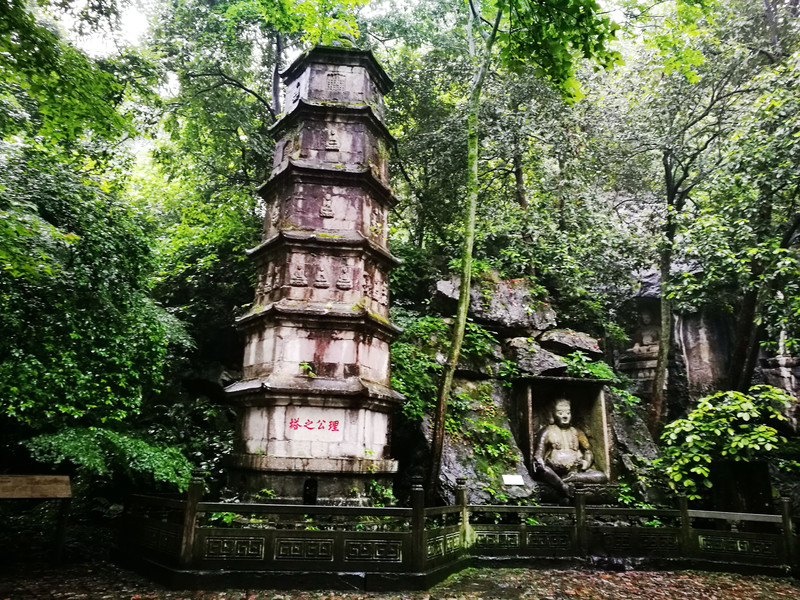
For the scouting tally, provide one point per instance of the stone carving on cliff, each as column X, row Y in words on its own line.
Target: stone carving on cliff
column 563, row 454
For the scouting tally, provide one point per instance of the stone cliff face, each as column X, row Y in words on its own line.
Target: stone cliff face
column 503, row 399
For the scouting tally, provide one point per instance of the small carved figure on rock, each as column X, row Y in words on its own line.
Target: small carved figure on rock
column 563, row 454
column 299, row 276
column 345, row 281
column 646, row 339
column 321, row 281
column 326, row 210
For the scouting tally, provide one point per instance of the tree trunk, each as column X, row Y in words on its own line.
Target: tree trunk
column 665, row 341
column 747, row 350
column 675, row 199
column 771, row 15
column 446, row 382
column 519, row 179
column 276, row 75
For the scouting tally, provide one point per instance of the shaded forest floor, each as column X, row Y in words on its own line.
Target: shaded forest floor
column 105, row 581
column 87, row 573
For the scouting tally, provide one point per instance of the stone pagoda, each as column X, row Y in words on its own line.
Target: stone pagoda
column 315, row 399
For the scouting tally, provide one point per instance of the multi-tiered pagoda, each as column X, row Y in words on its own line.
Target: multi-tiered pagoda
column 315, row 399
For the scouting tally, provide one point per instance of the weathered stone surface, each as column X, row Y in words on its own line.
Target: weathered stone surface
column 649, row 283
column 315, row 396
column 565, row 341
column 634, row 447
column 459, row 458
column 507, row 304
column 784, row 372
column 703, row 342
column 485, row 367
column 530, row 358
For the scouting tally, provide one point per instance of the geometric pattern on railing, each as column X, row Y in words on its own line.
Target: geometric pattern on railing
column 452, row 543
column 497, row 539
column 444, row 544
column 555, row 541
column 248, row 548
column 659, row 542
column 436, row 546
column 373, row 551
column 648, row 543
column 303, row 549
column 731, row 545
column 160, row 540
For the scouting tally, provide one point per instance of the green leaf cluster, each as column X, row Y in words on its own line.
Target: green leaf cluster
column 104, row 452
column 724, row 426
column 579, row 364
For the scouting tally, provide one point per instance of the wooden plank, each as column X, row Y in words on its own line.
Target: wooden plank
column 732, row 516
column 633, row 512
column 34, row 486
column 303, row 509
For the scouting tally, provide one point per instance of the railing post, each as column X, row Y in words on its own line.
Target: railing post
column 687, row 541
column 581, row 532
column 788, row 531
column 193, row 495
column 461, row 501
column 419, row 554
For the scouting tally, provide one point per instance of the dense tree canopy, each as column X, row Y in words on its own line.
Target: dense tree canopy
column 582, row 151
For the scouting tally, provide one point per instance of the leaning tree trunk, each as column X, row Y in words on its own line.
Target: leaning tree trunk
column 741, row 373
column 675, row 201
column 657, row 394
column 446, row 382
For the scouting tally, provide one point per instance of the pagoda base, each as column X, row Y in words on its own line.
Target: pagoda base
column 331, row 481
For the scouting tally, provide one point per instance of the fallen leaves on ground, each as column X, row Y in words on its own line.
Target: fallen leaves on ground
column 107, row 582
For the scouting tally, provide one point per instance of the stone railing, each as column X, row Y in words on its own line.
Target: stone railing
column 188, row 543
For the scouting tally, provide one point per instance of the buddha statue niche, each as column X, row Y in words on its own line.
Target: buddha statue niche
column 563, row 454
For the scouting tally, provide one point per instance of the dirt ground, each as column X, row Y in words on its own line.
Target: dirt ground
column 87, row 573
column 105, row 581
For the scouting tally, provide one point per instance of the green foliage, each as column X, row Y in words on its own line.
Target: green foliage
column 307, row 369
column 553, row 36
column 379, row 494
column 414, row 361
column 416, row 355
column 491, row 442
column 83, row 343
column 727, row 425
column 624, row 400
column 579, row 364
column 103, row 452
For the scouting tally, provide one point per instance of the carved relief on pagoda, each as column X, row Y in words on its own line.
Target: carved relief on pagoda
column 375, row 289
column 330, row 207
column 347, row 84
column 273, row 216
column 345, row 280
column 286, row 148
column 297, row 270
column 296, row 90
column 377, row 223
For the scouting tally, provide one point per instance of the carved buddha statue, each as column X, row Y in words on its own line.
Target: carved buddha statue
column 563, row 454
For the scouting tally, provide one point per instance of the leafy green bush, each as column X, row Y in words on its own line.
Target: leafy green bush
column 580, row 365
column 104, row 452
column 727, row 425
column 415, row 355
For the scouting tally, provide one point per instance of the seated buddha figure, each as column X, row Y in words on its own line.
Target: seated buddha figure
column 563, row 453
